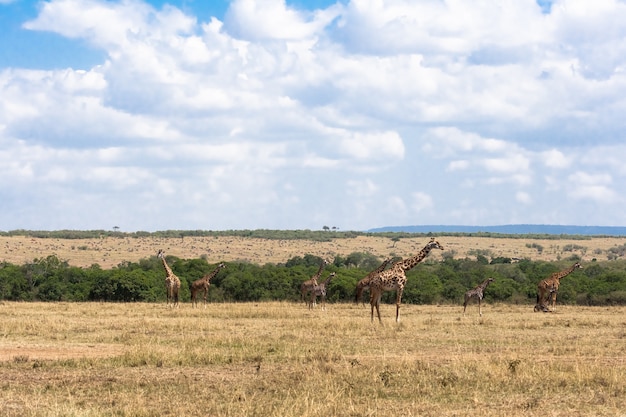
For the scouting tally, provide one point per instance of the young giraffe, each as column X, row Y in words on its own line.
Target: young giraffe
column 203, row 284
column 172, row 282
column 550, row 286
column 309, row 284
column 320, row 291
column 478, row 293
column 394, row 278
column 364, row 284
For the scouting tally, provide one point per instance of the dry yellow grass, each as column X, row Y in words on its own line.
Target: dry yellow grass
column 281, row 359
column 109, row 252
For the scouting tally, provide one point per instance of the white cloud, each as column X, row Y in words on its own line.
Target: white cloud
column 421, row 201
column 373, row 145
column 591, row 186
column 302, row 115
column 458, row 165
column 523, row 197
column 555, row 159
column 273, row 19
column 584, row 178
column 364, row 188
column 454, row 140
column 507, row 164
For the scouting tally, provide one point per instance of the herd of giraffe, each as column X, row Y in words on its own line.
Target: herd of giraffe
column 377, row 281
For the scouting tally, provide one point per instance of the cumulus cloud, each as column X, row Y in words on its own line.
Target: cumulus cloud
column 273, row 19
column 555, row 159
column 369, row 111
column 591, row 186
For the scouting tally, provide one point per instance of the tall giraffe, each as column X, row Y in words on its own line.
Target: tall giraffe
column 550, row 286
column 364, row 284
column 172, row 282
column 394, row 278
column 308, row 285
column 320, row 291
column 203, row 284
column 478, row 293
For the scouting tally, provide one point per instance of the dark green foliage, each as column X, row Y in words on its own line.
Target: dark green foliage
column 51, row 279
column 13, row 283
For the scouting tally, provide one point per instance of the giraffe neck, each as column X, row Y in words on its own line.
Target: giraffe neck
column 382, row 266
column 564, row 273
column 327, row 280
column 166, row 266
column 319, row 271
column 412, row 261
column 484, row 284
column 214, row 273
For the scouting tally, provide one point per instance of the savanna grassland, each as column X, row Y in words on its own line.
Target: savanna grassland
column 281, row 359
column 109, row 251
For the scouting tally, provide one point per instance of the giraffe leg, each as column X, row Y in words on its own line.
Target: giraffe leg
column 480, row 313
column 398, row 301
column 375, row 303
column 378, row 310
column 540, row 306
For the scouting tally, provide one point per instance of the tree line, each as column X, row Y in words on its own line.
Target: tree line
column 323, row 235
column 431, row 282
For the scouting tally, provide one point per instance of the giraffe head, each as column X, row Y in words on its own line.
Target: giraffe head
column 433, row 244
column 160, row 254
column 578, row 265
column 222, row 265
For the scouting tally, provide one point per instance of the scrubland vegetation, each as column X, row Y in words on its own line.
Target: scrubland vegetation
column 434, row 281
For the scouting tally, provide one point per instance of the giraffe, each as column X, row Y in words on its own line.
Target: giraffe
column 478, row 293
column 172, row 282
column 320, row 291
column 309, row 284
column 550, row 286
column 394, row 278
column 364, row 284
column 203, row 284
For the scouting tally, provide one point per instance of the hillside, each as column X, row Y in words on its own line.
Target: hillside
column 111, row 251
column 511, row 229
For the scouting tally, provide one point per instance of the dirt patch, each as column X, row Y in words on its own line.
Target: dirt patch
column 31, row 352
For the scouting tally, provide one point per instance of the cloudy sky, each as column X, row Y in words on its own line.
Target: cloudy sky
column 299, row 114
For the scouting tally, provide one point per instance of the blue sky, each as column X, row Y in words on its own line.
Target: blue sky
column 356, row 114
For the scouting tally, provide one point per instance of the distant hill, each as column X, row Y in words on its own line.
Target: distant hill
column 510, row 229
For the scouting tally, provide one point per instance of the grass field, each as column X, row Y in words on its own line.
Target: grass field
column 281, row 359
column 111, row 251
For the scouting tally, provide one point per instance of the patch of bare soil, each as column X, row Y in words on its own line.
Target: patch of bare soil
column 34, row 352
